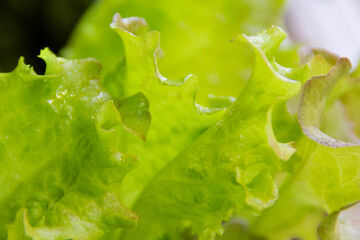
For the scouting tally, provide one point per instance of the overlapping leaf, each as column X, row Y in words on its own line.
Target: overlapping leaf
column 175, row 118
column 67, row 139
column 59, row 163
column 230, row 166
column 327, row 178
column 190, row 37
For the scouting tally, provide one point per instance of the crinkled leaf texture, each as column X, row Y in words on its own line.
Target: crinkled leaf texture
column 191, row 40
column 175, row 119
column 230, row 166
column 95, row 129
column 59, row 163
column 335, row 161
column 325, row 179
column 67, row 140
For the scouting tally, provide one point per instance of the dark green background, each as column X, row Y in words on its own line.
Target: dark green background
column 27, row 26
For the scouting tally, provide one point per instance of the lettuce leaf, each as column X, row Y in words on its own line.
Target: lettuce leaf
column 78, row 142
column 191, row 38
column 229, row 167
column 327, row 176
column 174, row 113
column 60, row 167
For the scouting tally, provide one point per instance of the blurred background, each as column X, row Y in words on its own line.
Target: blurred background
column 195, row 34
column 28, row 26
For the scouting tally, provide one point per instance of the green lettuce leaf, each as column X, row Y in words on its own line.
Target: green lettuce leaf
column 274, row 163
column 60, row 167
column 326, row 180
column 176, row 120
column 229, row 167
column 190, row 38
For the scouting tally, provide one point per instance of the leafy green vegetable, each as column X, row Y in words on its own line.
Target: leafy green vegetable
column 78, row 143
column 166, row 98
column 195, row 35
column 231, row 166
column 60, row 167
column 327, row 177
